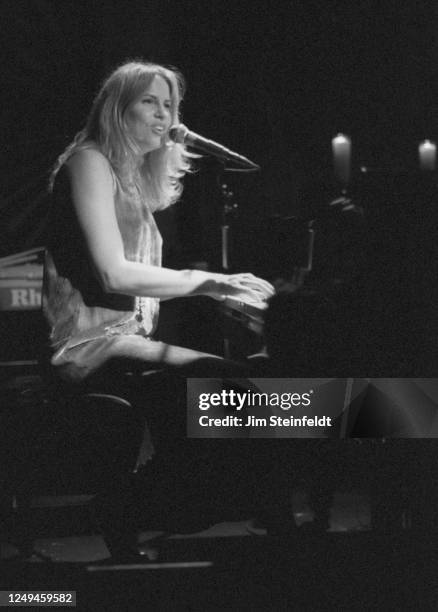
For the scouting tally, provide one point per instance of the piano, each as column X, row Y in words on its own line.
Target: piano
column 247, row 314
column 250, row 315
column 242, row 327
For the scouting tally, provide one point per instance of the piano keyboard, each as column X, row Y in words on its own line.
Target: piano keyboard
column 248, row 314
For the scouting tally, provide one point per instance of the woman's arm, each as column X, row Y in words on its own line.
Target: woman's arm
column 93, row 198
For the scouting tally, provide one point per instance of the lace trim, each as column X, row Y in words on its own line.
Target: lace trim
column 139, row 308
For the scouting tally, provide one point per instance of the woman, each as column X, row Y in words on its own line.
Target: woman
column 103, row 276
column 104, row 279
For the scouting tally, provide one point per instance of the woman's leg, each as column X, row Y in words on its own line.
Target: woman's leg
column 182, row 468
column 137, row 353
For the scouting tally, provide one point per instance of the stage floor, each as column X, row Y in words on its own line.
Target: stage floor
column 350, row 512
column 236, row 566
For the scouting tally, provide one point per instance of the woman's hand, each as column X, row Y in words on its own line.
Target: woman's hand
column 244, row 286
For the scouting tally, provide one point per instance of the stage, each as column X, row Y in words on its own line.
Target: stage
column 232, row 565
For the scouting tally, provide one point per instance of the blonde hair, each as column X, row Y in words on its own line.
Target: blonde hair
column 163, row 168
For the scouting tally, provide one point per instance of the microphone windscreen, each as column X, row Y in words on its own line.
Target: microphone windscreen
column 178, row 133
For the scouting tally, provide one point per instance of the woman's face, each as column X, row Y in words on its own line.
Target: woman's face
column 148, row 118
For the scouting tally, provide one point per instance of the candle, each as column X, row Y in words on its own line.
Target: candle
column 341, row 146
column 427, row 155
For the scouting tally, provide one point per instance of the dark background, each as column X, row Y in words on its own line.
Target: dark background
column 272, row 80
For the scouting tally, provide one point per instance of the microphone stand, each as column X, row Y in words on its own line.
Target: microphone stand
column 229, row 211
column 229, row 208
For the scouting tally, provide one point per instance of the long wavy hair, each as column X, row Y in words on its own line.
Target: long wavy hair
column 162, row 168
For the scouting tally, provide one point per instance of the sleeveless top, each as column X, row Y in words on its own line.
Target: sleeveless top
column 75, row 306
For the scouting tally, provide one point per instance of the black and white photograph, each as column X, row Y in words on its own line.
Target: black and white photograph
column 218, row 305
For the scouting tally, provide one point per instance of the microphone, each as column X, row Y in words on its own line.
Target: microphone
column 182, row 135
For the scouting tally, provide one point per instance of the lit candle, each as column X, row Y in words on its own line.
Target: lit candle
column 341, row 146
column 427, row 155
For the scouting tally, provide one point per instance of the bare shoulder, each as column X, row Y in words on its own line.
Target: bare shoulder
column 88, row 156
column 90, row 163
